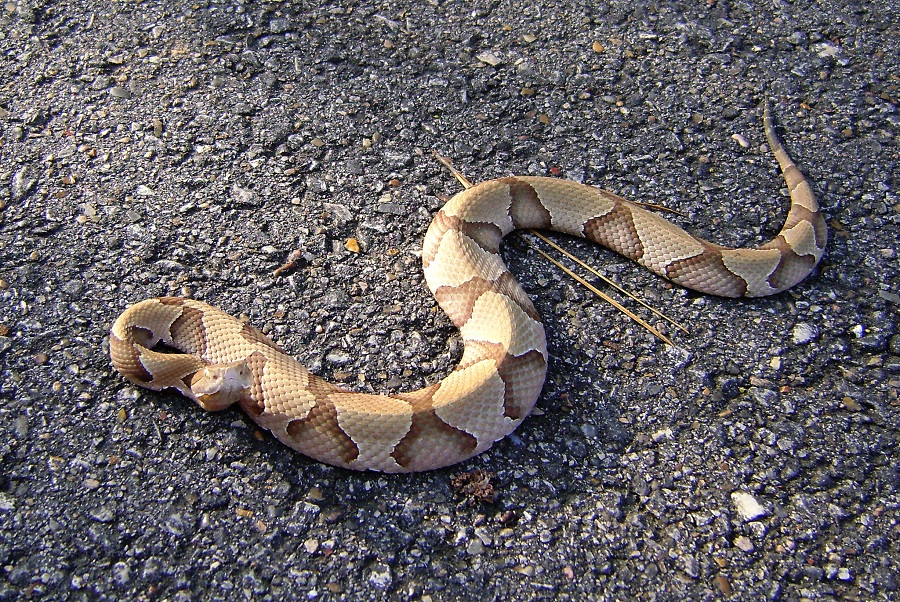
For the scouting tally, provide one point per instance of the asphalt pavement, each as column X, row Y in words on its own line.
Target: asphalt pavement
column 168, row 148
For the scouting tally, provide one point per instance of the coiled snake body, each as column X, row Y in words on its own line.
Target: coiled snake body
column 225, row 361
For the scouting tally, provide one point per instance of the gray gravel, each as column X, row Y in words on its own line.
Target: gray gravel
column 187, row 148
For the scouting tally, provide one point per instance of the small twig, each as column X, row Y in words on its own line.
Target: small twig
column 158, row 431
column 289, row 265
column 446, row 162
column 662, row 208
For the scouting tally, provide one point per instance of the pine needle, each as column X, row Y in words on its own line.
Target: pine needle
column 610, row 282
column 601, row 294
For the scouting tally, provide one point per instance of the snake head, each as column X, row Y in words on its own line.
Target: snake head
column 217, row 387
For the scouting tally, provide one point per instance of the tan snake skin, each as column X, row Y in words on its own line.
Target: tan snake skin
column 225, row 361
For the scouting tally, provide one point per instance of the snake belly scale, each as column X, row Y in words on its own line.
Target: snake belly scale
column 222, row 360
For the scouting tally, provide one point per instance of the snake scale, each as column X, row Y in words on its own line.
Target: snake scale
column 223, row 360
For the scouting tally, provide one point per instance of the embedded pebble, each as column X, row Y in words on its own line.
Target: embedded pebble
column 244, row 196
column 340, row 212
column 279, row 25
column 724, row 585
column 489, row 58
column 825, row 50
column 121, row 573
column 102, row 514
column 744, row 544
column 22, row 183
column 21, row 426
column 380, row 575
column 804, row 333
column 338, row 358
column 120, row 92
column 740, row 140
column 747, row 506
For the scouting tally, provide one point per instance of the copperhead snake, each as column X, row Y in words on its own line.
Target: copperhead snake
column 223, row 360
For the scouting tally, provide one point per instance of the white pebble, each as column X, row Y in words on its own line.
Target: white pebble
column 489, row 58
column 740, row 140
column 743, row 543
column 665, row 434
column 804, row 333
column 380, row 575
column 747, row 506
